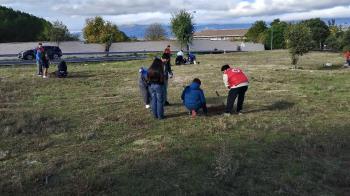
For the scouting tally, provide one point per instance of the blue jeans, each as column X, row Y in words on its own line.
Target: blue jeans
column 40, row 68
column 157, row 96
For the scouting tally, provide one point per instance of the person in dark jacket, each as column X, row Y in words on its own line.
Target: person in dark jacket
column 62, row 69
column 45, row 65
column 168, row 73
column 192, row 58
column 143, row 85
column 156, row 79
column 193, row 98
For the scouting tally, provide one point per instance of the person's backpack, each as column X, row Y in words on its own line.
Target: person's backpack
column 62, row 69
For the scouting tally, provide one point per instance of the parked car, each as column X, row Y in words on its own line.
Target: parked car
column 54, row 52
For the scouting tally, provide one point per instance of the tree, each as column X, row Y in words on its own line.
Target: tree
column 183, row 27
column 346, row 40
column 16, row 26
column 319, row 31
column 298, row 39
column 274, row 36
column 335, row 40
column 97, row 30
column 256, row 32
column 59, row 32
column 155, row 32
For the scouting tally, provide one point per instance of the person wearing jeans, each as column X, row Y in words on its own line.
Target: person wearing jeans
column 156, row 91
column 144, row 87
column 155, row 77
column 39, row 51
column 237, row 82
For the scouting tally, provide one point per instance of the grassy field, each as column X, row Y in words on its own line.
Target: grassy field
column 90, row 134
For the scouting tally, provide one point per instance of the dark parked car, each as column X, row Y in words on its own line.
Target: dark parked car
column 54, row 52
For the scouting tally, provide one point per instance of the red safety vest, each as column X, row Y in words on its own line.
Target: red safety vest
column 235, row 77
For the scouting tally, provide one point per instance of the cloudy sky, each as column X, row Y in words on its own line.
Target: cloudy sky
column 124, row 12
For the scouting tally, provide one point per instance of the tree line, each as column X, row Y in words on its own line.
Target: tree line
column 324, row 35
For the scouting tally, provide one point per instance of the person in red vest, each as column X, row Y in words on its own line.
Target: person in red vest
column 347, row 57
column 237, row 82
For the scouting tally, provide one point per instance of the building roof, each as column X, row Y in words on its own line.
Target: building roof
column 221, row 33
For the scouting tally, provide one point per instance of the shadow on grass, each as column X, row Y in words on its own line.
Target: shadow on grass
column 176, row 115
column 278, row 105
column 216, row 110
column 175, row 105
column 219, row 109
column 83, row 74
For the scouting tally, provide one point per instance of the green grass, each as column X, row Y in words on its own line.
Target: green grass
column 89, row 134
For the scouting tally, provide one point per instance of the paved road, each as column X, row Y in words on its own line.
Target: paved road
column 74, row 60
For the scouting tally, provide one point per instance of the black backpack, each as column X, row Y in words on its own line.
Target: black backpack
column 62, row 69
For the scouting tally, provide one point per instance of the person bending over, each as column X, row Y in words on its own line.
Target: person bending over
column 144, row 87
column 62, row 69
column 237, row 83
column 193, row 98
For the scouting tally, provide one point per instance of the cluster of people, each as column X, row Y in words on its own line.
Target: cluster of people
column 43, row 63
column 153, row 83
column 180, row 58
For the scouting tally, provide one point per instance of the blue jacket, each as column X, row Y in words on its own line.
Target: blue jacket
column 143, row 76
column 39, row 54
column 191, row 57
column 193, row 96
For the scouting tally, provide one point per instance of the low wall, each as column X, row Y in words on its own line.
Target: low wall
column 76, row 46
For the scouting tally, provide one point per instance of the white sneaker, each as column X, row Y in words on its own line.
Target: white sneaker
column 147, row 106
column 45, row 77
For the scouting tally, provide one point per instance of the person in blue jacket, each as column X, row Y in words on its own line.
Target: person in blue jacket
column 193, row 98
column 143, row 85
column 192, row 58
column 39, row 51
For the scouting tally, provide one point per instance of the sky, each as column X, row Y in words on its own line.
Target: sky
column 73, row 13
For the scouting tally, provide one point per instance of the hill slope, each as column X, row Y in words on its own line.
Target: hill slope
column 16, row 26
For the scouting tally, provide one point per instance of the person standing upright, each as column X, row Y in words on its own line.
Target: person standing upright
column 168, row 73
column 237, row 83
column 45, row 65
column 155, row 77
column 39, row 51
column 167, row 52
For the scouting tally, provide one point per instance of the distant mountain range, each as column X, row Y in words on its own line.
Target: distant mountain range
column 138, row 31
